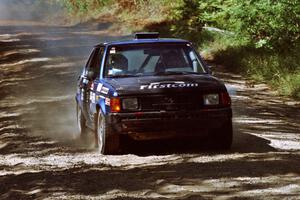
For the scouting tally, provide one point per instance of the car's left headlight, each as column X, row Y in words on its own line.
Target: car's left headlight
column 130, row 104
column 211, row 99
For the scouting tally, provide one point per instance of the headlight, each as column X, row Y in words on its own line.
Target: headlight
column 211, row 99
column 130, row 104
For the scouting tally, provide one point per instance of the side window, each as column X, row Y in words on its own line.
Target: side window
column 94, row 63
column 85, row 70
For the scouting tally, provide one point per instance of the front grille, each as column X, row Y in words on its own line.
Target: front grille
column 170, row 102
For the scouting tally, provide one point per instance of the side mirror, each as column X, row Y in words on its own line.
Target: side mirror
column 90, row 75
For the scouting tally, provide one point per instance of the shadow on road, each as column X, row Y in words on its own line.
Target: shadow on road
column 164, row 180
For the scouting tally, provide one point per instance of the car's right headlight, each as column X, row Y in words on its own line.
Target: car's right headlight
column 211, row 99
column 130, row 104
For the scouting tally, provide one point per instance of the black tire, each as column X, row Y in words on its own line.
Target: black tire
column 106, row 140
column 222, row 137
column 81, row 123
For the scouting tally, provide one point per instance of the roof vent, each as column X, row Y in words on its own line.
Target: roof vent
column 147, row 35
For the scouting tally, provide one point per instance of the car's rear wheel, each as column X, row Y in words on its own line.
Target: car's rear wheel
column 107, row 141
column 81, row 123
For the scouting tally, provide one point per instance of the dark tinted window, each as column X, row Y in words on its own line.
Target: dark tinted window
column 95, row 60
column 145, row 59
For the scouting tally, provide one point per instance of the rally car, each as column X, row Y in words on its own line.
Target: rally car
column 151, row 88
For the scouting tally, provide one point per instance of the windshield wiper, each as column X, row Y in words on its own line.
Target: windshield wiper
column 123, row 75
column 174, row 73
column 168, row 73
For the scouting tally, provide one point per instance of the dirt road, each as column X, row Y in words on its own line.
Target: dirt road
column 39, row 66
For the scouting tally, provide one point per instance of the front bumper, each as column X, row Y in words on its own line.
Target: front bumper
column 165, row 124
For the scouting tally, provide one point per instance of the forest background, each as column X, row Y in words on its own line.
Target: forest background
column 256, row 38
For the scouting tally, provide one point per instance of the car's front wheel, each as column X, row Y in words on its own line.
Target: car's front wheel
column 107, row 141
column 81, row 123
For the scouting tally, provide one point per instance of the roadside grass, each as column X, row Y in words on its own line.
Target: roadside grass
column 276, row 70
column 280, row 70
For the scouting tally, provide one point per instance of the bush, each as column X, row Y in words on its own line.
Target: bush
column 83, row 7
column 271, row 24
column 264, row 46
column 280, row 70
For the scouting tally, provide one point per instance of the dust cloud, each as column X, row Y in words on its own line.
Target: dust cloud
column 39, row 67
column 29, row 10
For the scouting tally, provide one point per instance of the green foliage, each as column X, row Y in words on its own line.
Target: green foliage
column 282, row 71
column 263, row 41
column 269, row 23
column 279, row 69
column 186, row 16
column 272, row 24
column 82, row 7
column 265, row 44
column 289, row 85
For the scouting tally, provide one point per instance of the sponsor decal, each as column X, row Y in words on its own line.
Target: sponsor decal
column 93, row 97
column 104, row 90
column 162, row 85
column 99, row 87
column 81, row 94
column 86, row 96
column 85, row 81
column 112, row 50
column 107, row 101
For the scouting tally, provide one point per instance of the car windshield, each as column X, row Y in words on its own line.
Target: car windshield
column 154, row 59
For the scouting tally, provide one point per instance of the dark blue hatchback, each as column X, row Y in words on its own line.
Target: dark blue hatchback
column 151, row 88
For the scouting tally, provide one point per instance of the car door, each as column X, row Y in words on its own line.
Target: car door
column 94, row 68
column 84, row 83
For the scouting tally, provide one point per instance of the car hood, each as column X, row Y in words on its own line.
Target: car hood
column 165, row 84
